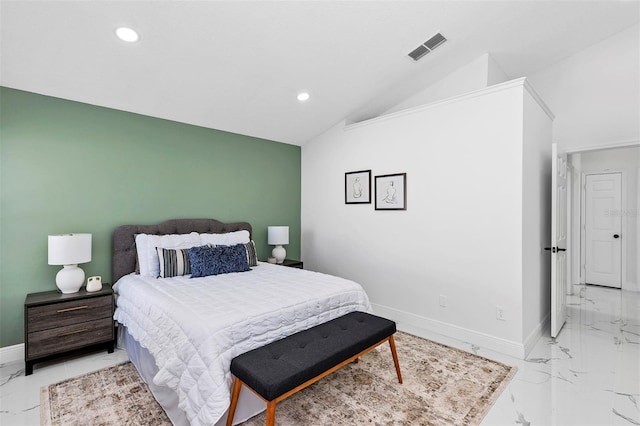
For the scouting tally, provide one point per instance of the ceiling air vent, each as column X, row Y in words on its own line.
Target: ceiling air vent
column 427, row 46
column 435, row 41
column 418, row 52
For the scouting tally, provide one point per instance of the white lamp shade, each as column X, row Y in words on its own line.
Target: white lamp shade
column 278, row 235
column 69, row 249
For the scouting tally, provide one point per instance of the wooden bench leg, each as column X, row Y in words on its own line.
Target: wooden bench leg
column 392, row 343
column 271, row 413
column 237, row 385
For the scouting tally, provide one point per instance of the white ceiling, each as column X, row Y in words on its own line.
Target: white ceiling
column 238, row 65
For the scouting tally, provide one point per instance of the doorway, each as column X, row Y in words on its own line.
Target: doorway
column 601, row 165
column 603, row 229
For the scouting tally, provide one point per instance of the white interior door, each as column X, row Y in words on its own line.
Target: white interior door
column 603, row 226
column 558, row 240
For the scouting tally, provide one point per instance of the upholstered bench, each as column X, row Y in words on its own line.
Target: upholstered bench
column 282, row 368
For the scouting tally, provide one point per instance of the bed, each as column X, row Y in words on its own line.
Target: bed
column 181, row 333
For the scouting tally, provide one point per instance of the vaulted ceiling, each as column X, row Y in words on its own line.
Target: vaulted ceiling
column 238, row 65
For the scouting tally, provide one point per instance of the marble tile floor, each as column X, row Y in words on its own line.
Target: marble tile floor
column 20, row 394
column 589, row 375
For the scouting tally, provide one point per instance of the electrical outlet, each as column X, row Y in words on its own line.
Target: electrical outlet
column 443, row 301
column 500, row 313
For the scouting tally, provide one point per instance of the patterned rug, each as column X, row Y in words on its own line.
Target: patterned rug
column 442, row 386
column 111, row 396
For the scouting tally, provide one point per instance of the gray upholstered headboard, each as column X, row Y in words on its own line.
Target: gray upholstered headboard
column 123, row 259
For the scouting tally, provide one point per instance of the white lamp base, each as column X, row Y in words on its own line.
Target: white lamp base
column 69, row 279
column 279, row 253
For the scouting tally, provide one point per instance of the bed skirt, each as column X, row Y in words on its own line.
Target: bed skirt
column 249, row 404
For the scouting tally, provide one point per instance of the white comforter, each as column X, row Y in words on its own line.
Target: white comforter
column 195, row 327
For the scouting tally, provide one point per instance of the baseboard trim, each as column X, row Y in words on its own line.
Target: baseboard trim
column 408, row 322
column 414, row 324
column 536, row 334
column 12, row 353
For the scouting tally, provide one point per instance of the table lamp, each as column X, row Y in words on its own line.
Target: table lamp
column 69, row 250
column 278, row 236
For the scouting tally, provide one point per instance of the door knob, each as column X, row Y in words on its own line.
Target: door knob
column 616, row 236
column 555, row 249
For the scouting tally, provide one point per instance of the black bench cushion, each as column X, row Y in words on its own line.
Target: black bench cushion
column 280, row 366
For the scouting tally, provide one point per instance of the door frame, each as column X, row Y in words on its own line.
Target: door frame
column 571, row 178
column 623, row 224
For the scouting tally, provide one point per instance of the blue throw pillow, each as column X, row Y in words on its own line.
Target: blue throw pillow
column 206, row 260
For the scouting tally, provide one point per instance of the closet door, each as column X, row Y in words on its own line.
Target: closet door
column 603, row 226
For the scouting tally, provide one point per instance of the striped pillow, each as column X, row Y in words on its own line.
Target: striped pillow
column 173, row 262
column 252, row 256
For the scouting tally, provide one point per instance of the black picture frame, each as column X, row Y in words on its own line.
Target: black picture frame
column 357, row 187
column 391, row 192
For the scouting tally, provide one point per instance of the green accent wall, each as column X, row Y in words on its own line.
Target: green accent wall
column 72, row 167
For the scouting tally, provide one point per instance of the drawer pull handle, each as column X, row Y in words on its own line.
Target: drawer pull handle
column 69, row 333
column 73, row 309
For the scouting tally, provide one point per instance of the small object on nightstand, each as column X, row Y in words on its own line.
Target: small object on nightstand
column 291, row 263
column 56, row 323
column 271, row 260
column 94, row 284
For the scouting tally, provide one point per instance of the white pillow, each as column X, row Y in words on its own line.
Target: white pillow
column 228, row 239
column 148, row 256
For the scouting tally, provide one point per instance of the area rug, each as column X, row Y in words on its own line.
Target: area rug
column 442, row 386
column 111, row 396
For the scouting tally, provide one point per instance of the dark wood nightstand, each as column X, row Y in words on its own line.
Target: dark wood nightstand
column 292, row 263
column 57, row 323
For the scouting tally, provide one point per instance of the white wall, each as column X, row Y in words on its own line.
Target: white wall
column 477, row 74
column 536, row 218
column 462, row 233
column 595, row 94
column 495, row 74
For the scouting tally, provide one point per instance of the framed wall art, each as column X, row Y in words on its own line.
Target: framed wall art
column 357, row 187
column 391, row 192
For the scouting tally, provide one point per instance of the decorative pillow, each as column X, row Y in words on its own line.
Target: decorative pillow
column 148, row 256
column 173, row 262
column 252, row 256
column 228, row 239
column 207, row 260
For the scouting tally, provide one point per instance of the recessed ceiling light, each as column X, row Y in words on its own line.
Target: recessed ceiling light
column 303, row 96
column 127, row 34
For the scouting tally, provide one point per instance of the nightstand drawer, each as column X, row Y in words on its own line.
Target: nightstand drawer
column 56, row 323
column 67, row 313
column 74, row 336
